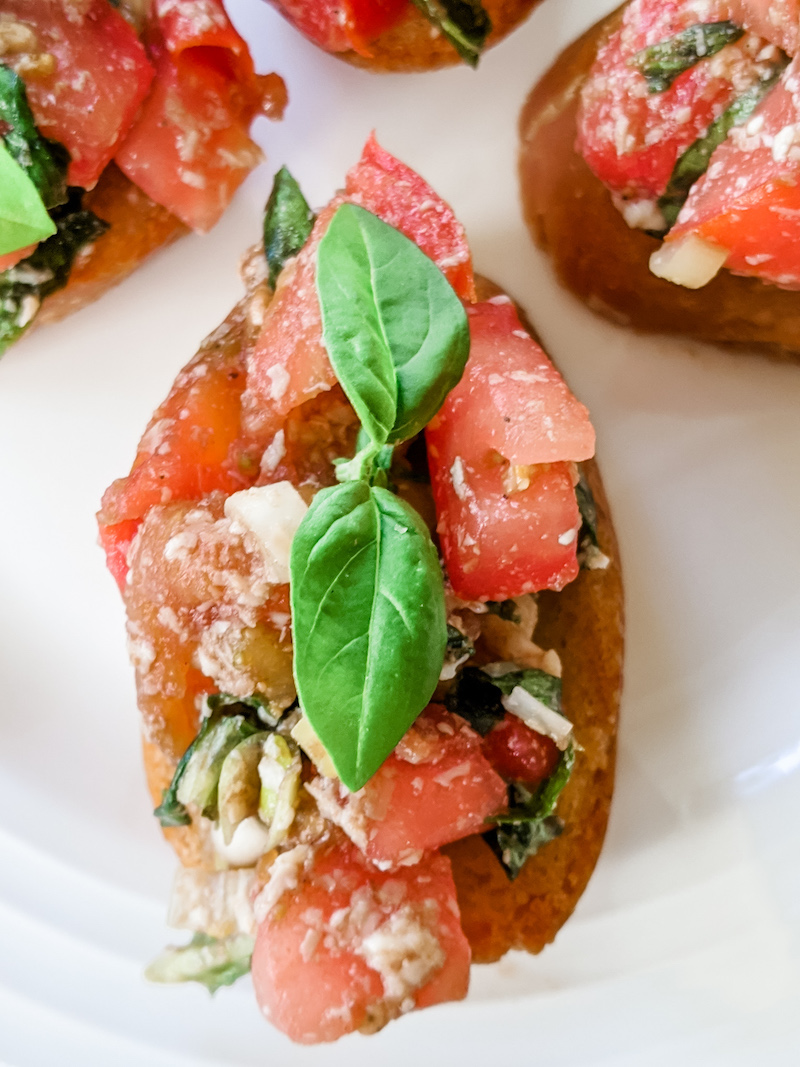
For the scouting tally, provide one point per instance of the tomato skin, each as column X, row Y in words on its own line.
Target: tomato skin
column 10, row 259
column 288, row 363
column 116, row 542
column 498, row 544
column 190, row 147
column 632, row 138
column 518, row 753
column 310, row 969
column 748, row 201
column 339, row 25
column 776, row 20
column 89, row 113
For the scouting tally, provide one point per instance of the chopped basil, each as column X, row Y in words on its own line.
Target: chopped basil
column 588, row 510
column 662, row 63
column 465, row 24
column 24, row 220
column 288, row 221
column 693, row 163
column 212, row 961
column 199, row 782
column 458, row 644
column 477, row 699
column 45, row 162
column 545, row 687
column 530, row 823
column 24, row 286
column 505, row 609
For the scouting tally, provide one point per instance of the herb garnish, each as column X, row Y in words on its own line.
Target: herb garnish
column 693, row 163
column 662, row 63
column 477, row 695
column 368, row 612
column 211, row 961
column 529, row 824
column 465, row 24
column 45, row 162
column 288, row 221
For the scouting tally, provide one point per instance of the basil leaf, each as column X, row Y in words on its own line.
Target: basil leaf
column 545, row 687
column 212, row 961
column 394, row 329
column 693, row 163
column 369, row 623
column 477, row 699
column 23, row 216
column 24, row 286
column 588, row 510
column 529, row 824
column 288, row 221
column 170, row 812
column 465, row 24
column 45, row 162
column 662, row 63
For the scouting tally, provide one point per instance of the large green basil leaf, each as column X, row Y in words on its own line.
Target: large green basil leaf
column 288, row 221
column 465, row 24
column 369, row 623
column 395, row 331
column 23, row 217
column 24, row 286
column 45, row 162
column 662, row 63
column 693, row 163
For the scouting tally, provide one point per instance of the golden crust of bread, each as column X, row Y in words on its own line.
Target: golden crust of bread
column 584, row 624
column 138, row 227
column 411, row 46
column 601, row 259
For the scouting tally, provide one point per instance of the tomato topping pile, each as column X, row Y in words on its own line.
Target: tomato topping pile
column 341, row 25
column 358, row 918
column 748, row 201
column 501, row 454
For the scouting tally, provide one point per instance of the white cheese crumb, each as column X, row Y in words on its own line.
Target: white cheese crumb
column 272, row 514
column 689, row 261
column 217, row 903
column 284, row 874
column 250, row 839
column 279, row 376
column 457, row 476
column 538, row 716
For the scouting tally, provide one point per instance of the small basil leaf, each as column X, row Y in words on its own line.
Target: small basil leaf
column 211, row 961
column 693, row 163
column 288, row 221
column 24, row 286
column 45, row 162
column 475, row 698
column 515, row 844
column 662, row 63
column 369, row 625
column 170, row 812
column 465, row 24
column 23, row 216
column 395, row 331
column 588, row 510
column 545, row 687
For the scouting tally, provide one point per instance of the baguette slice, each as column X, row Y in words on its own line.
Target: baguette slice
column 604, row 262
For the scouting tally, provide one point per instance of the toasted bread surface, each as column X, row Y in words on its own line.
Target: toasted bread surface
column 414, row 45
column 138, row 227
column 601, row 259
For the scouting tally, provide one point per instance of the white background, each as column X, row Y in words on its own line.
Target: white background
column 684, row 948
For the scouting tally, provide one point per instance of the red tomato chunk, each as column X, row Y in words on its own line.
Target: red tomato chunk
column 501, row 454
column 352, row 947
column 339, row 25
column 520, row 754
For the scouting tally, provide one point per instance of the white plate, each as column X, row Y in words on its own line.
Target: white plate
column 684, row 948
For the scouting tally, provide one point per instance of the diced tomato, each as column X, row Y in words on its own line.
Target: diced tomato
column 777, row 20
column 288, row 364
column 501, row 454
column 748, row 201
column 102, row 76
column 339, row 25
column 632, row 138
column 190, row 147
column 10, row 259
column 189, row 447
column 353, row 946
column 116, row 542
column 436, row 787
column 518, row 753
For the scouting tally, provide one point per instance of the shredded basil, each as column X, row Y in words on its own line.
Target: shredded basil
column 529, row 823
column 588, row 511
column 662, row 63
column 693, row 163
column 545, row 687
column 211, row 961
column 24, row 286
column 288, row 221
column 465, row 24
